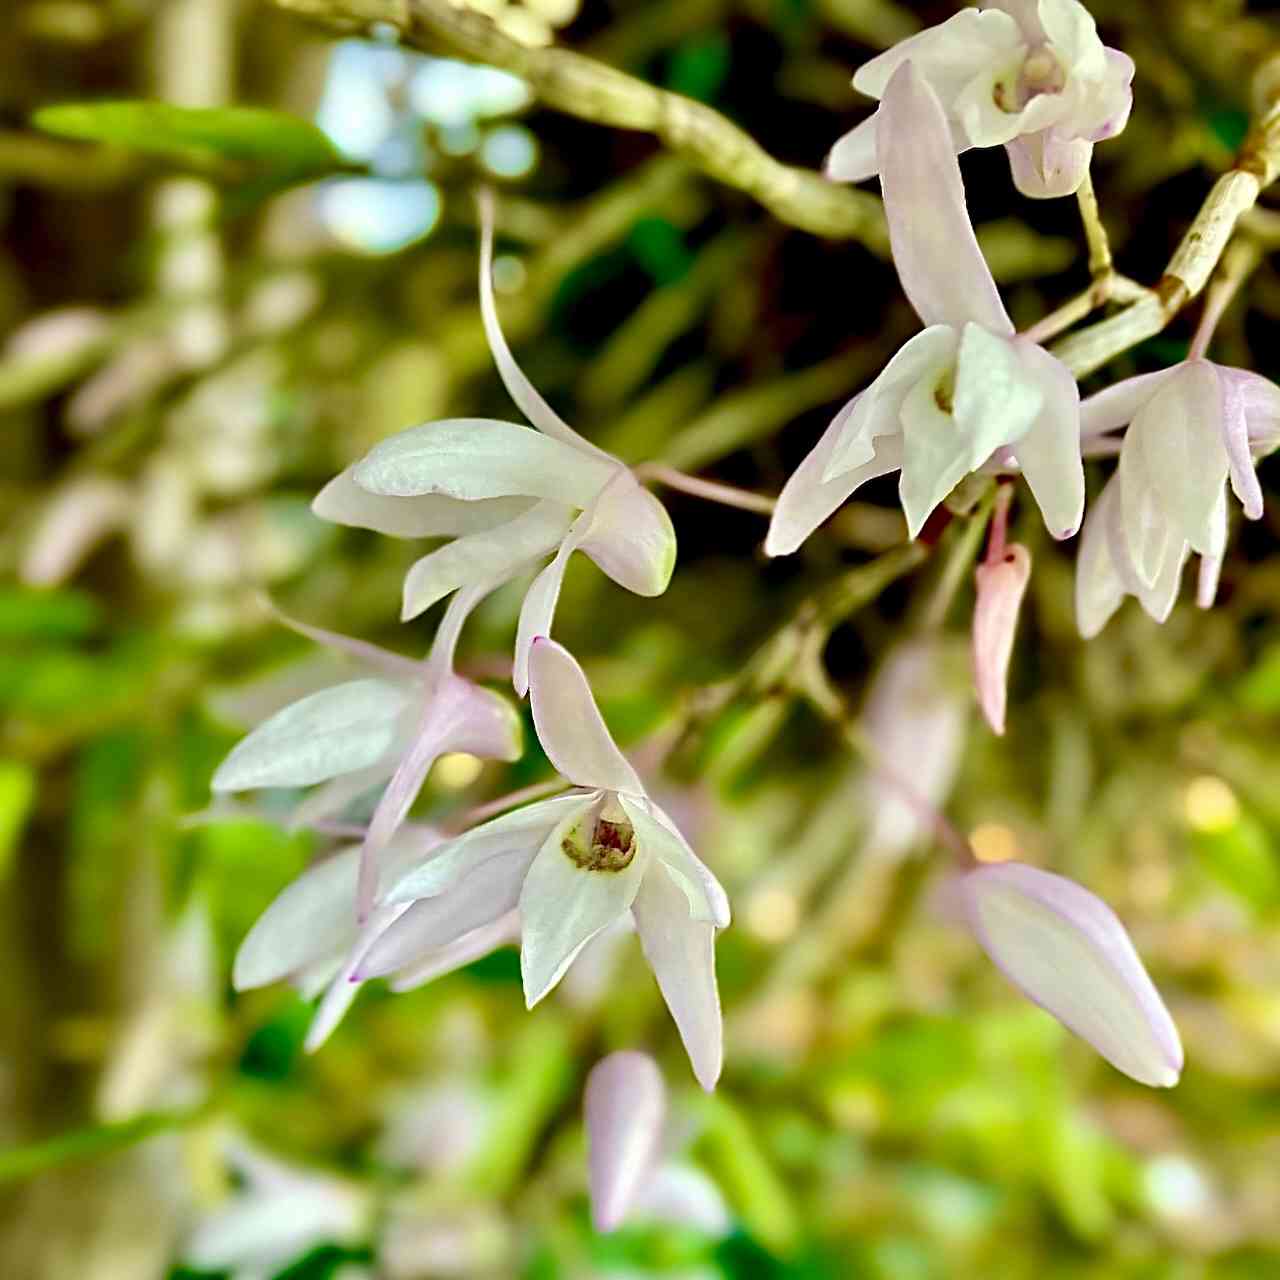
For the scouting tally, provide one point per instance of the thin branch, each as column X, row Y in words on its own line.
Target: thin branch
column 711, row 490
column 1100, row 263
column 583, row 87
column 1238, row 264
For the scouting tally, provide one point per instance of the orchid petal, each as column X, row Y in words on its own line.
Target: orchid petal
column 492, row 555
column 929, row 356
column 625, row 1102
column 485, row 892
column 681, row 952
column 478, row 458
column 681, row 1195
column 563, row 906
column 343, row 501
column 538, row 610
column 1070, row 28
column 935, row 250
column 1121, row 402
column 948, row 56
column 351, row 726
column 1099, row 588
column 330, row 799
column 1046, row 167
column 1049, row 453
column 997, row 395
column 1001, row 587
column 631, row 537
column 1065, row 950
column 521, row 390
column 458, row 716
column 1247, row 401
column 854, row 157
column 1180, row 437
column 659, row 836
column 520, row 832
column 935, row 456
column 807, row 500
column 569, row 724
column 458, row 953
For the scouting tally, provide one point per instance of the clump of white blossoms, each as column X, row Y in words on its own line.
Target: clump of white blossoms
column 1032, row 77
column 572, row 866
column 965, row 393
column 1191, row 429
column 508, row 497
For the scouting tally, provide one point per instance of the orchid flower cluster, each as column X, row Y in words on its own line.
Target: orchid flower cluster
column 967, row 394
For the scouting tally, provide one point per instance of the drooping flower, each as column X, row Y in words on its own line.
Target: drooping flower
column 631, row 1178
column 1191, row 430
column 309, row 935
column 573, row 865
column 1065, row 949
column 390, row 727
column 1001, row 582
column 1031, row 77
column 964, row 393
column 509, row 498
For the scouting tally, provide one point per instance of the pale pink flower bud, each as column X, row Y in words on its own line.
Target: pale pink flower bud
column 625, row 1104
column 1001, row 587
column 1066, row 950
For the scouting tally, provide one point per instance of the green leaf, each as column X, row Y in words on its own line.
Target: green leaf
column 17, row 793
column 268, row 141
column 28, row 614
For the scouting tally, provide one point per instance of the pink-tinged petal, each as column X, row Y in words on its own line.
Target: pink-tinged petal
column 1099, row 587
column 564, row 905
column 569, row 724
column 661, row 839
column 393, row 665
column 1070, row 28
column 625, row 1103
column 489, row 556
column 1180, row 437
column 1168, row 556
column 342, row 501
column 1261, row 407
column 681, row 952
column 1207, row 581
column 1046, row 166
column 344, row 988
column 340, row 730
column 458, row 716
column 478, row 458
column 935, row 250
column 538, row 609
column 73, row 521
column 631, row 538
column 518, row 833
column 1149, row 532
column 930, row 357
column 1160, row 596
column 1247, row 402
column 483, row 894
column 1112, row 102
column 501, row 932
column 948, row 56
column 1001, row 588
column 807, row 500
column 1065, row 950
column 854, row 157
column 1120, row 403
column 518, row 386
column 1049, row 453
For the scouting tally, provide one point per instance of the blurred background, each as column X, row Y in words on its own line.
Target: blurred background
column 197, row 330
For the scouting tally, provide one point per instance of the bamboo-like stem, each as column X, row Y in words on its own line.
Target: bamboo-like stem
column 583, row 87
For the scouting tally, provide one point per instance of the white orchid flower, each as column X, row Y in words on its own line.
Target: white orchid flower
column 309, row 935
column 965, row 392
column 1030, row 77
column 508, row 497
column 573, row 865
column 390, row 727
column 1191, row 430
column 1066, row 950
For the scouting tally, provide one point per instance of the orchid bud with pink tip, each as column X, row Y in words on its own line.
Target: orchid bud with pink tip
column 1065, row 949
column 1001, row 587
column 626, row 1106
